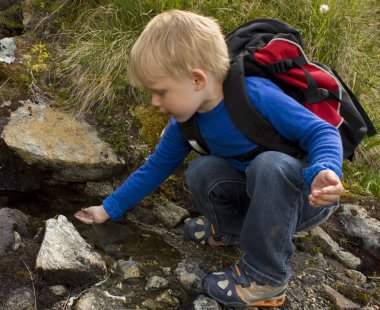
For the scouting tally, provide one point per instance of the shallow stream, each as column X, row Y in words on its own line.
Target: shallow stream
column 114, row 241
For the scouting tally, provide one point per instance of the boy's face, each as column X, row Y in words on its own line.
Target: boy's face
column 180, row 99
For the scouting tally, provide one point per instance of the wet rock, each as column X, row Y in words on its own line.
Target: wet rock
column 171, row 215
column 331, row 246
column 358, row 224
column 340, row 301
column 98, row 299
column 356, row 276
column 21, row 299
column 72, row 149
column 128, row 268
column 98, row 189
column 156, row 282
column 11, row 220
column 205, row 303
column 65, row 257
column 190, row 275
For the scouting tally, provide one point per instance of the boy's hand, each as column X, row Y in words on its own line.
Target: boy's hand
column 92, row 215
column 326, row 188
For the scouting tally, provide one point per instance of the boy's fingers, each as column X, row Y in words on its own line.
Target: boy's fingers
column 322, row 201
column 328, row 190
column 84, row 217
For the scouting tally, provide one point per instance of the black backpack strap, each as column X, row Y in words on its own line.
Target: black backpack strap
column 371, row 129
column 246, row 118
column 192, row 136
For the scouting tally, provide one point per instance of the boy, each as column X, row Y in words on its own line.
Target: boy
column 183, row 60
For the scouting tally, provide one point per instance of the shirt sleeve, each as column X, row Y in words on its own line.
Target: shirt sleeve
column 169, row 153
column 318, row 138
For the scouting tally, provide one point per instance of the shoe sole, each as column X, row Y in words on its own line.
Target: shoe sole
column 277, row 302
column 268, row 303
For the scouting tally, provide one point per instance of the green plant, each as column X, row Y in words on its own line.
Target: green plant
column 361, row 180
column 114, row 130
column 38, row 61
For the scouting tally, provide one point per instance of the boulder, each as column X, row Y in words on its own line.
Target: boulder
column 57, row 141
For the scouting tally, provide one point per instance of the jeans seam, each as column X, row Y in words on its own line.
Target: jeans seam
column 211, row 188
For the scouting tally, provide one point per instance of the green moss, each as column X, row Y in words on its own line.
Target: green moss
column 11, row 23
column 152, row 123
column 14, row 83
column 22, row 274
column 10, row 17
column 312, row 262
column 355, row 294
column 44, row 4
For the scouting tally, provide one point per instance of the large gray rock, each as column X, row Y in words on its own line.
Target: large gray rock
column 358, row 224
column 57, row 141
column 65, row 257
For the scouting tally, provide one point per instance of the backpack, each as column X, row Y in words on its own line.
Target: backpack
column 272, row 49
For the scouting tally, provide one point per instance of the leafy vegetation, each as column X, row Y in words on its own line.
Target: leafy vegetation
column 340, row 33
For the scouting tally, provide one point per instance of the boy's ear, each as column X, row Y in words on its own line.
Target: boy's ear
column 199, row 78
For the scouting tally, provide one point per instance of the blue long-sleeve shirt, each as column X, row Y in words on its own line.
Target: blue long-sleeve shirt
column 319, row 139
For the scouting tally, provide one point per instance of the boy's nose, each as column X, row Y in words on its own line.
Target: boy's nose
column 155, row 101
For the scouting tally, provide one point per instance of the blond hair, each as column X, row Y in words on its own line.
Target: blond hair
column 175, row 42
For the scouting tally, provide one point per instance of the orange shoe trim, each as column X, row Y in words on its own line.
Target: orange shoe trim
column 242, row 293
column 213, row 231
column 268, row 303
column 237, row 269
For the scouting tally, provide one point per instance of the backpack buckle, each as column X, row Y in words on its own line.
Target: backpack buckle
column 318, row 95
column 281, row 66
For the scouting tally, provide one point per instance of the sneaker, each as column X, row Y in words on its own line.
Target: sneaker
column 234, row 288
column 199, row 229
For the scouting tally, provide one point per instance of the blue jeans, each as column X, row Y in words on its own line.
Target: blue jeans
column 263, row 207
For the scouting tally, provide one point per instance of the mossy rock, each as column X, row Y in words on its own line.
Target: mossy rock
column 356, row 294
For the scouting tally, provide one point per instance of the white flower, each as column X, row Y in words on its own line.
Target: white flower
column 324, row 8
